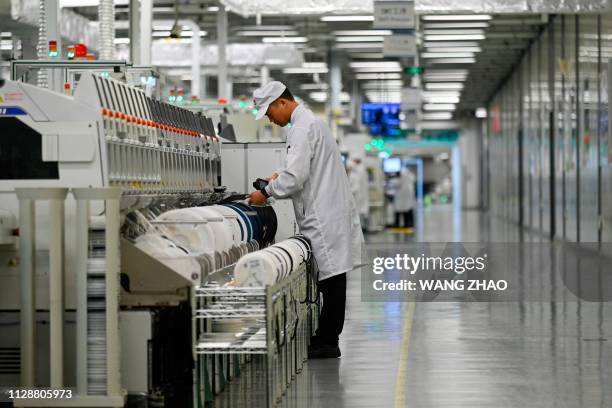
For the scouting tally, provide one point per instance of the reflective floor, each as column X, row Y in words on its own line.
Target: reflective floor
column 511, row 354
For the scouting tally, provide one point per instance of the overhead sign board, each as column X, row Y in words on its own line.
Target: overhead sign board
column 394, row 14
column 399, row 45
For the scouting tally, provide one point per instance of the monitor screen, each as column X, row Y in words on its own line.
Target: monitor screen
column 381, row 118
column 392, row 165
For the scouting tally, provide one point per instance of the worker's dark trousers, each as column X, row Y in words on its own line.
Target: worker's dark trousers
column 408, row 217
column 331, row 320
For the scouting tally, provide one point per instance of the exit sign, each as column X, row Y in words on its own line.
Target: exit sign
column 414, row 70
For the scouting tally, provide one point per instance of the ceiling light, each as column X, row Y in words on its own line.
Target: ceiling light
column 348, row 18
column 437, row 116
column 454, row 37
column 379, row 69
column 453, row 32
column 375, row 45
column 437, row 44
column 363, row 38
column 453, row 61
column 440, row 94
column 441, row 99
column 481, row 113
column 284, row 39
column 322, row 96
column 444, row 86
column 378, row 76
column 428, row 26
column 212, row 8
column 362, row 32
column 438, row 107
column 265, row 33
column 306, row 70
column 447, row 55
column 371, row 64
column 454, row 49
column 457, row 17
column 121, row 41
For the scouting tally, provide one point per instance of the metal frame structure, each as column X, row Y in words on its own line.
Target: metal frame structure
column 283, row 322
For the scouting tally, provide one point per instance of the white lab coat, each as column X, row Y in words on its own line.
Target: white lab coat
column 315, row 179
column 358, row 178
column 405, row 199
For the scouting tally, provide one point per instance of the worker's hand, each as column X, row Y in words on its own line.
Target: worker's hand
column 272, row 177
column 257, row 198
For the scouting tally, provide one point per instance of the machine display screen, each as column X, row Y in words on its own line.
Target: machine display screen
column 381, row 118
column 392, row 165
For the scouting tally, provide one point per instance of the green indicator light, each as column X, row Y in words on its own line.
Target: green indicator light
column 388, row 151
column 289, row 125
column 414, row 70
column 194, row 102
column 255, row 111
column 180, row 98
column 104, row 74
column 243, row 104
column 368, row 147
column 53, row 54
column 172, row 98
column 444, row 199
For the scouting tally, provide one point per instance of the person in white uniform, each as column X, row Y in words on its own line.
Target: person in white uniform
column 405, row 199
column 315, row 180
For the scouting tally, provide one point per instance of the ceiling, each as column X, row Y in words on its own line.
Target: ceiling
column 465, row 57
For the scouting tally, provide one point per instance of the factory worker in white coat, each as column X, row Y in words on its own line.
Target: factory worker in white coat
column 315, row 180
column 405, row 199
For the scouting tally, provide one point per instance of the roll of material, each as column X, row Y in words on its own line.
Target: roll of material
column 270, row 265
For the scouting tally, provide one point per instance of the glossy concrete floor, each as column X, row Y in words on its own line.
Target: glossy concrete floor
column 451, row 354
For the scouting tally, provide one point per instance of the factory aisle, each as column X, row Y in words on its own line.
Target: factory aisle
column 451, row 354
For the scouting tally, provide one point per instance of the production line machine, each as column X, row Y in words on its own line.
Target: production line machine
column 111, row 217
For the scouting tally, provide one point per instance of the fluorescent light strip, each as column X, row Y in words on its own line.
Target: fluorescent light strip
column 452, row 61
column 362, row 32
column 429, row 26
column 363, row 38
column 381, row 69
column 437, row 116
column 455, row 37
column 269, row 40
column 428, row 55
column 347, row 18
column 457, row 17
column 270, row 33
column 344, row 46
column 444, row 86
column 441, row 94
column 453, row 32
column 454, row 49
column 373, row 64
column 441, row 99
column 437, row 44
column 438, row 107
column 305, row 70
column 378, row 76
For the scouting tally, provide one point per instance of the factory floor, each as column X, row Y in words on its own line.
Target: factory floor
column 451, row 354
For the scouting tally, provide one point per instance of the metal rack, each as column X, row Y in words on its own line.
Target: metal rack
column 280, row 322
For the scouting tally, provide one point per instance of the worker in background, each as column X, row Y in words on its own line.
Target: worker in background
column 315, row 180
column 405, row 200
column 358, row 177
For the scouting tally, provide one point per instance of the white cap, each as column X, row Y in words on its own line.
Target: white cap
column 265, row 95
